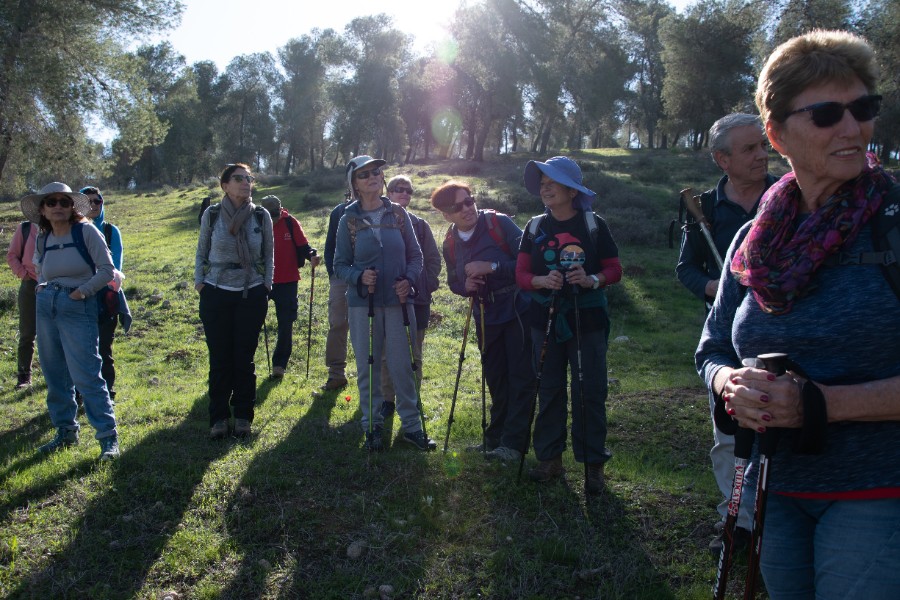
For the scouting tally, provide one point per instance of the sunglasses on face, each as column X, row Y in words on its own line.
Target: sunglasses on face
column 64, row 202
column 466, row 202
column 365, row 174
column 240, row 178
column 826, row 114
column 402, row 190
column 96, row 201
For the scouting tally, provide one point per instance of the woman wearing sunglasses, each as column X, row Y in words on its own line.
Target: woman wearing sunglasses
column 832, row 518
column 480, row 252
column 377, row 254
column 72, row 264
column 400, row 191
column 233, row 271
column 566, row 259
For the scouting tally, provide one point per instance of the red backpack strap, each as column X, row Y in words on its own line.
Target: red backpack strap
column 450, row 246
column 495, row 231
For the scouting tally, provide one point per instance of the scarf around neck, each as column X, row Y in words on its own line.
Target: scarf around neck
column 234, row 219
column 781, row 253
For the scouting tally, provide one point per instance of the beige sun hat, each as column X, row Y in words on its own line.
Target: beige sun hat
column 31, row 204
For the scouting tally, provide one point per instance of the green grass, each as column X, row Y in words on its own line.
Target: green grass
column 275, row 516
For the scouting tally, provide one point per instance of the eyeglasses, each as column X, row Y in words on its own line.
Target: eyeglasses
column 466, row 202
column 65, row 202
column 365, row 174
column 402, row 190
column 96, row 201
column 240, row 178
column 826, row 114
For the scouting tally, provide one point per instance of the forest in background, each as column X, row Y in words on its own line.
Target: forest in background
column 516, row 75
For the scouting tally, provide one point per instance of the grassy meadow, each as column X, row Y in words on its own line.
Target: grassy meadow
column 300, row 510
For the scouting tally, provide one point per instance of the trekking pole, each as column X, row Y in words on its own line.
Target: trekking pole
column 412, row 360
column 266, row 338
column 462, row 357
column 584, row 440
column 537, row 381
column 484, row 424
column 371, row 343
column 776, row 363
column 693, row 207
column 312, row 286
column 743, row 446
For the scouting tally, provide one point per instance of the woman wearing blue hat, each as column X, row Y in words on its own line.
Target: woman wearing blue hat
column 566, row 259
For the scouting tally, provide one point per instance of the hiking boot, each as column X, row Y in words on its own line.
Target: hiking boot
column 277, row 372
column 109, row 447
column 596, row 481
column 387, row 408
column 241, row 428
column 64, row 438
column 547, row 470
column 489, row 447
column 373, row 442
column 504, row 454
column 24, row 382
column 219, row 429
column 419, row 440
column 741, row 541
column 334, row 383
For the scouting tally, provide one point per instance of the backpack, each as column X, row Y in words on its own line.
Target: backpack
column 26, row 231
column 686, row 221
column 886, row 238
column 494, row 230
column 355, row 224
column 216, row 208
column 589, row 221
column 302, row 254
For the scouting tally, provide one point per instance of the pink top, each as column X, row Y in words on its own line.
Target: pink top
column 20, row 255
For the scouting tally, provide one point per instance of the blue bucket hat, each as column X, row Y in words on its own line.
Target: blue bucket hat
column 560, row 169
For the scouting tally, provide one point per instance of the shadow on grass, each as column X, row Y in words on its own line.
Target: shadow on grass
column 122, row 532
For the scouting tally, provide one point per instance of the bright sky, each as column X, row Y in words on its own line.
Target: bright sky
column 219, row 30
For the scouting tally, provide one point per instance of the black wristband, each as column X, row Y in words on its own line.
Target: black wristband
column 813, row 434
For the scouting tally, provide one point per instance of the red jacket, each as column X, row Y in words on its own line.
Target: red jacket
column 286, row 269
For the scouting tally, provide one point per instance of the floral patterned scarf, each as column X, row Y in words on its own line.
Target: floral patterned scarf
column 779, row 255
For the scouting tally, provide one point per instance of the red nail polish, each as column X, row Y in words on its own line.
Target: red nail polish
column 731, row 411
column 766, row 418
column 761, row 429
column 764, row 398
column 770, row 377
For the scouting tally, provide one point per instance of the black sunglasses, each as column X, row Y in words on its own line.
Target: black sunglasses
column 65, row 202
column 365, row 174
column 826, row 114
column 466, row 202
column 402, row 190
column 239, row 178
column 96, row 201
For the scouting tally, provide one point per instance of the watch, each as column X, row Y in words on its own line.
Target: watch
column 596, row 283
column 494, row 267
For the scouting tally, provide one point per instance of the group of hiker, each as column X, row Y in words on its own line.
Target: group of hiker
column 799, row 276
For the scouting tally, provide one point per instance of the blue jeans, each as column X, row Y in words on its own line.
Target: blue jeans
column 284, row 295
column 819, row 549
column 67, row 337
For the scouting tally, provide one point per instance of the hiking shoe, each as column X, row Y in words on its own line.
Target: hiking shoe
column 241, row 427
column 741, row 541
column 419, row 440
column 277, row 372
column 596, row 481
column 373, row 442
column 547, row 470
column 387, row 408
column 334, row 383
column 109, row 447
column 505, row 454
column 64, row 438
column 219, row 429
column 489, row 447
column 24, row 382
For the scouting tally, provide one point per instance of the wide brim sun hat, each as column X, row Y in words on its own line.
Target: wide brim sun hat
column 560, row 169
column 357, row 163
column 31, row 204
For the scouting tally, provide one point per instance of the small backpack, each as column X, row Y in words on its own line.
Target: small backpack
column 355, row 224
column 494, row 230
